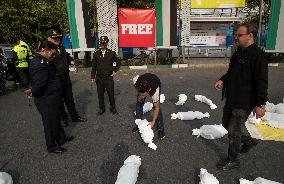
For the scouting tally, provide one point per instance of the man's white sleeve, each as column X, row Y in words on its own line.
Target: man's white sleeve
column 156, row 96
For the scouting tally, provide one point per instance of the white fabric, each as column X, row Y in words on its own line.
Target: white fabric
column 205, row 100
column 156, row 96
column 207, row 178
column 135, row 79
column 269, row 107
column 258, row 180
column 279, row 108
column 273, row 119
column 147, row 107
column 181, row 99
column 190, row 115
column 146, row 132
column 128, row 173
column 210, row 131
column 5, row 178
column 162, row 98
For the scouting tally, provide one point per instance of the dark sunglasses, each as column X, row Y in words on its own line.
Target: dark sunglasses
column 240, row 35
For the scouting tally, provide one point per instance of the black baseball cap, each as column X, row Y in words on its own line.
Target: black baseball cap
column 104, row 39
column 52, row 33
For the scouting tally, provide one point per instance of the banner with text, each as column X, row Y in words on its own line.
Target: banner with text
column 136, row 27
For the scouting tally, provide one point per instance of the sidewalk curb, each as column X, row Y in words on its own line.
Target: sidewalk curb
column 145, row 67
column 276, row 64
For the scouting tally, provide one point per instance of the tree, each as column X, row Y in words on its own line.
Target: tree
column 136, row 3
column 30, row 19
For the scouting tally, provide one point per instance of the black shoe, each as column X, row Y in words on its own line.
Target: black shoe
column 247, row 147
column 69, row 138
column 135, row 129
column 113, row 110
column 161, row 134
column 57, row 150
column 227, row 164
column 101, row 111
column 79, row 119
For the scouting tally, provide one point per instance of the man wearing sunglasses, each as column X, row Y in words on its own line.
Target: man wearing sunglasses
column 62, row 61
column 245, row 89
column 47, row 93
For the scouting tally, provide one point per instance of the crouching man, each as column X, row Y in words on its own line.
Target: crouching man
column 149, row 85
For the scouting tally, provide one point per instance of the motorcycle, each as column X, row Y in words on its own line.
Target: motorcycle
column 7, row 68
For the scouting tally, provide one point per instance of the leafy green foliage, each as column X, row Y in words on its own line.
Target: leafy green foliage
column 30, row 19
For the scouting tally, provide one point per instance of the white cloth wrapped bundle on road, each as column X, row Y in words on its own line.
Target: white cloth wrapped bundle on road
column 181, row 99
column 279, row 108
column 273, row 119
column 190, row 115
column 5, row 178
column 210, row 131
column 128, row 173
column 207, row 178
column 258, row 180
column 269, row 107
column 146, row 132
column 205, row 100
column 162, row 98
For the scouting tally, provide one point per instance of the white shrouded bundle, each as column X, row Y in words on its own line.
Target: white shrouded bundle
column 181, row 99
column 207, row 178
column 205, row 100
column 162, row 98
column 147, row 107
column 210, row 131
column 146, row 132
column 258, row 180
column 190, row 115
column 5, row 178
column 279, row 108
column 273, row 119
column 128, row 173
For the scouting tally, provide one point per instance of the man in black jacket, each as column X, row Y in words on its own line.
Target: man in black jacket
column 245, row 89
column 47, row 93
column 62, row 61
column 104, row 67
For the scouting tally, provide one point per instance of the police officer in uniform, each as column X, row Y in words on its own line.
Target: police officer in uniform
column 21, row 57
column 104, row 67
column 47, row 93
column 62, row 61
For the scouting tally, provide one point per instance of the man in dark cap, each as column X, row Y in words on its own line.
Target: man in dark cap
column 62, row 61
column 46, row 91
column 105, row 65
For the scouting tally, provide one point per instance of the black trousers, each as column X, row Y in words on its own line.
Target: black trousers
column 23, row 76
column 54, row 132
column 68, row 100
column 234, row 121
column 105, row 84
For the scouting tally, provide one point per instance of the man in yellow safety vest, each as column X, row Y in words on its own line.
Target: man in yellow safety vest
column 22, row 56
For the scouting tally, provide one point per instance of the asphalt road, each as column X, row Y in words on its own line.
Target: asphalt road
column 103, row 143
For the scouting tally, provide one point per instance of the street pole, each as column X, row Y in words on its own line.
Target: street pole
column 260, row 23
